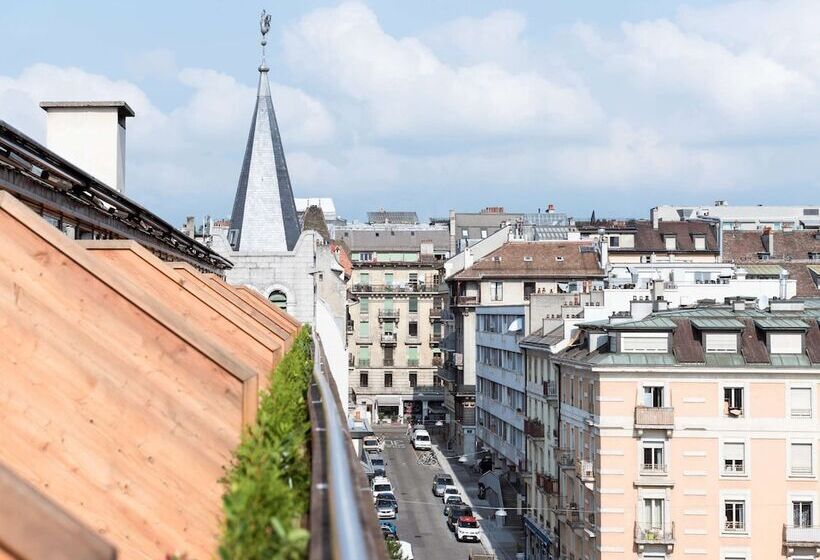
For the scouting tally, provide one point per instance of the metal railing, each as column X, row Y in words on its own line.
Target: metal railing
column 394, row 288
column 388, row 338
column 653, row 468
column 389, row 314
column 550, row 389
column 467, row 301
column 342, row 523
column 565, row 458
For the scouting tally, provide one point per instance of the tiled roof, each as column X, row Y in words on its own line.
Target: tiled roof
column 385, row 217
column 648, row 239
column 686, row 344
column 563, row 259
column 740, row 246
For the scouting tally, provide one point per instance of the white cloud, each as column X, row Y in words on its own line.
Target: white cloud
column 406, row 90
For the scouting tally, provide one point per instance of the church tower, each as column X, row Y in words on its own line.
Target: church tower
column 264, row 218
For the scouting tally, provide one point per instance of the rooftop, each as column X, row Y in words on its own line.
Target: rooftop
column 544, row 259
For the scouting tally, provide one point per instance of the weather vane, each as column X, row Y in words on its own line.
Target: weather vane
column 264, row 27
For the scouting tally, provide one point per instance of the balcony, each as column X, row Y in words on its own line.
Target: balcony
column 389, row 362
column 550, row 390
column 654, row 418
column 412, row 362
column 565, row 458
column 435, row 314
column 350, row 327
column 534, row 429
column 388, row 339
column 574, row 516
column 546, row 484
column 653, row 469
column 651, row 533
column 411, row 288
column 808, row 537
column 584, row 470
column 467, row 301
column 389, row 314
column 435, row 338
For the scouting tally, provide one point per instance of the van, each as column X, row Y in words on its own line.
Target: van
column 379, row 464
column 421, row 440
column 381, row 485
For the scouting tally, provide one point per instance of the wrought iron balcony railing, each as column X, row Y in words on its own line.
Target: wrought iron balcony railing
column 550, row 389
column 654, row 533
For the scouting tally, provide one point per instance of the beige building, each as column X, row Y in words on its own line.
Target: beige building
column 394, row 322
column 691, row 433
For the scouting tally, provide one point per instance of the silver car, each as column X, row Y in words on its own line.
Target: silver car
column 440, row 482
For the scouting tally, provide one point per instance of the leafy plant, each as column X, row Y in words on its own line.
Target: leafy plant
column 267, row 488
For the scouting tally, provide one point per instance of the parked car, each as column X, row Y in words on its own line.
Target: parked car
column 449, row 490
column 379, row 464
column 452, row 500
column 467, row 529
column 371, row 444
column 385, row 509
column 440, row 481
column 406, row 550
column 380, row 485
column 421, row 440
column 389, row 530
column 390, row 496
column 455, row 513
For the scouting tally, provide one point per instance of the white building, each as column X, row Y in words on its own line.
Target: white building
column 745, row 218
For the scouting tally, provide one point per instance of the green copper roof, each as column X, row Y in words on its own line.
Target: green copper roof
column 648, row 324
column 777, row 324
column 708, row 324
column 630, row 359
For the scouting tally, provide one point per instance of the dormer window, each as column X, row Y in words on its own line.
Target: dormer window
column 614, row 241
column 644, row 342
column 814, row 256
column 670, row 242
column 527, row 259
column 763, row 256
column 559, row 258
column 785, row 343
column 700, row 242
column 720, row 342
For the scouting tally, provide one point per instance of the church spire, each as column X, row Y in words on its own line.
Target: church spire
column 264, row 215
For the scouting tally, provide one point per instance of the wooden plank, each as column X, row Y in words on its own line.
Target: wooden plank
column 32, row 527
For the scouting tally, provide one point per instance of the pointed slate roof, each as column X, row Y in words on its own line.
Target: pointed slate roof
column 264, row 213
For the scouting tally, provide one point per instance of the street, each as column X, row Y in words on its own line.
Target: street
column 420, row 520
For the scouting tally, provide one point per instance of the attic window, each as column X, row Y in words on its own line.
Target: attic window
column 377, row 234
column 700, row 242
column 814, row 255
column 763, row 256
column 496, row 259
column 559, row 258
column 670, row 242
column 527, row 259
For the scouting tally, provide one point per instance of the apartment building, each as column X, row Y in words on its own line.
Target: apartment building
column 745, row 218
column 394, row 324
column 687, row 433
column 492, row 297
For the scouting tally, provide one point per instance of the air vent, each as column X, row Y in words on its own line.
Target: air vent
column 527, row 259
column 559, row 258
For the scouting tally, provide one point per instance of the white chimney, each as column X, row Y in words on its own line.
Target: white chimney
column 90, row 135
column 603, row 248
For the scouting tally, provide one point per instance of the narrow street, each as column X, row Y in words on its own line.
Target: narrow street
column 421, row 520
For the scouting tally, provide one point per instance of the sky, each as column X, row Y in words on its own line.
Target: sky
column 430, row 106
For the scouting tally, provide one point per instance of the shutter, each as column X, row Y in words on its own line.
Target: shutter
column 801, row 401
column 721, row 342
column 782, row 343
column 644, row 344
column 801, row 458
column 733, row 451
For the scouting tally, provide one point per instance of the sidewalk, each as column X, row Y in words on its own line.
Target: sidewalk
column 501, row 541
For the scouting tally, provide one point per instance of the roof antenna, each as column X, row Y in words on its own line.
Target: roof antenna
column 264, row 27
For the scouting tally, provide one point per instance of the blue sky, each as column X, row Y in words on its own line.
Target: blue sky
column 611, row 106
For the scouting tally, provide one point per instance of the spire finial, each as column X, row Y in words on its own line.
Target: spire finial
column 264, row 27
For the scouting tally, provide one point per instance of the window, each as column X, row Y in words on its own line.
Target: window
column 802, row 513
column 653, row 457
column 801, row 459
column 388, row 278
column 364, row 305
column 413, row 379
column 670, row 242
column 734, row 458
column 614, row 241
column 800, row 402
column 700, row 243
column 413, row 356
column 483, row 234
column 363, row 379
column 786, row 343
column 279, row 299
column 529, row 289
column 414, row 304
column 364, row 356
column 734, row 516
column 364, row 329
column 653, row 343
column 388, row 379
column 653, row 397
column 653, row 513
column 464, row 233
column 721, row 342
column 497, row 291
column 364, row 278
column 413, row 329
column 733, row 401
column 811, row 211
column 388, row 356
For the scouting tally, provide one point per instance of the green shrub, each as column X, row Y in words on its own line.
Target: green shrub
column 267, row 488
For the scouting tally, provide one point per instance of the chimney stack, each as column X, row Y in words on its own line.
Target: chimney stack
column 768, row 240
column 90, row 135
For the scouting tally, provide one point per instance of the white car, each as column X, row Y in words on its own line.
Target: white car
column 406, row 550
column 449, row 490
column 381, row 485
column 421, row 440
column 371, row 444
column 467, row 529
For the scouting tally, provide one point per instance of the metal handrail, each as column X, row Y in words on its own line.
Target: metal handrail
column 347, row 529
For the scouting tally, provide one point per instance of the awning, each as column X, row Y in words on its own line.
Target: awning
column 536, row 530
column 762, row 269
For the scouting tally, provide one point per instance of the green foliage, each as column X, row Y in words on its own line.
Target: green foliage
column 267, row 489
column 394, row 550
